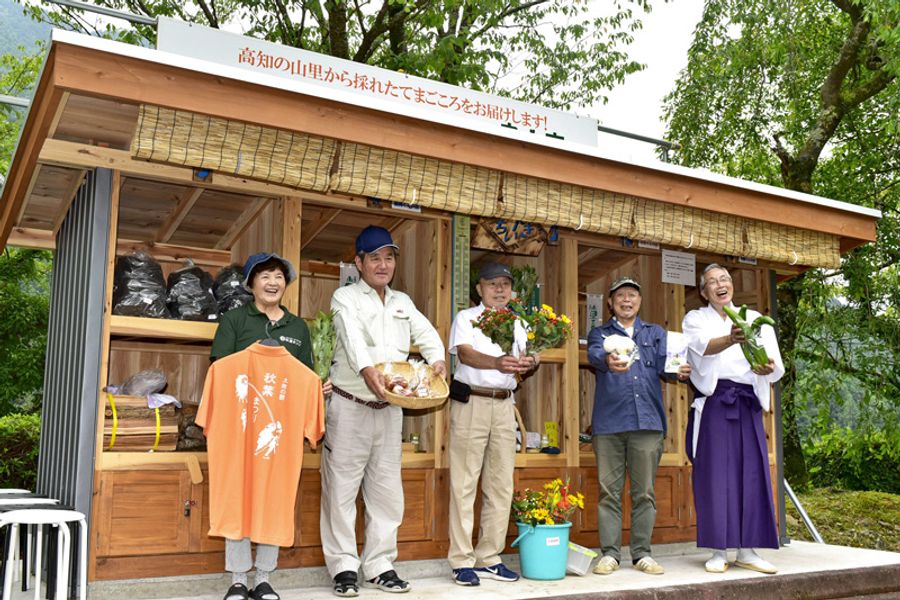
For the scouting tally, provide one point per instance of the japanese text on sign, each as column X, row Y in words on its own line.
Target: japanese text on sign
column 443, row 99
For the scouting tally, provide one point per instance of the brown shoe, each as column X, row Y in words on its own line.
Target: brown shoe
column 649, row 566
column 606, row 566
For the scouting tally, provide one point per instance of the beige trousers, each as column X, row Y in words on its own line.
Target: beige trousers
column 361, row 449
column 482, row 444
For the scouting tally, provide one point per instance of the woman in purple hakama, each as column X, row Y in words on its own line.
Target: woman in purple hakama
column 725, row 437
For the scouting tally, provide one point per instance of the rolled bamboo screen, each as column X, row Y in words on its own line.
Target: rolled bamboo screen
column 322, row 164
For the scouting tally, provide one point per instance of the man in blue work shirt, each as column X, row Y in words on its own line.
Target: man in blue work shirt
column 628, row 425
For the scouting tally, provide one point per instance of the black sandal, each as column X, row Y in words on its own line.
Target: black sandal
column 345, row 585
column 264, row 591
column 237, row 590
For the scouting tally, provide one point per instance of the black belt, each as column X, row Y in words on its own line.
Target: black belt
column 370, row 403
column 496, row 394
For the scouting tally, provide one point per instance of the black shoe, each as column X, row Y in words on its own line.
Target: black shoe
column 237, row 590
column 345, row 585
column 264, row 591
column 389, row 582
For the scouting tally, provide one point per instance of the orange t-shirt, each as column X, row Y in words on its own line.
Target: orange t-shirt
column 257, row 406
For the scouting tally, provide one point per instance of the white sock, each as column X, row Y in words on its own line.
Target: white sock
column 717, row 560
column 747, row 555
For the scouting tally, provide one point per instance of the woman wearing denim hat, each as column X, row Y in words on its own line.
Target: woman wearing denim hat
column 266, row 276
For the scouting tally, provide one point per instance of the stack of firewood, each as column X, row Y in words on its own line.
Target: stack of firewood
column 136, row 426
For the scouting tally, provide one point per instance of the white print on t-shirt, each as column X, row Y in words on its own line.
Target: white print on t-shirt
column 268, row 438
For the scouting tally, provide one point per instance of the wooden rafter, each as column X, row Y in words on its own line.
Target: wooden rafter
column 312, row 230
column 590, row 254
column 67, row 199
column 185, row 204
column 34, row 179
column 242, row 222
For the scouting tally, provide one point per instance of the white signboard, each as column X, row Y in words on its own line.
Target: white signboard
column 679, row 267
column 491, row 112
column 594, row 312
column 349, row 274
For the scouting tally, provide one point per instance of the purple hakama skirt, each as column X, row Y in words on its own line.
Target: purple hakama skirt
column 732, row 486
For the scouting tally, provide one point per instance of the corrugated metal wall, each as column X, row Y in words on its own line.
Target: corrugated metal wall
column 71, row 375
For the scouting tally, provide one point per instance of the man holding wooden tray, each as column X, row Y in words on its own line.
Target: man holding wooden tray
column 374, row 324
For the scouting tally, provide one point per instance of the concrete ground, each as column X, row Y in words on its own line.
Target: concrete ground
column 806, row 570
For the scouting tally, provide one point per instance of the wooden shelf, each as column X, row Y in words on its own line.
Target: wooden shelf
column 558, row 356
column 540, row 460
column 169, row 329
column 195, row 460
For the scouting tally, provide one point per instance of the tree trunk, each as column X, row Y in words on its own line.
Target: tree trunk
column 795, row 469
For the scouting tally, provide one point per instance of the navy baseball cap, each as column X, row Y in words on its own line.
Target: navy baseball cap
column 624, row 282
column 261, row 257
column 494, row 269
column 372, row 239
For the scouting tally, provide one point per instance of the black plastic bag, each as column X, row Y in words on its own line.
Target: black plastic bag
column 190, row 295
column 139, row 289
column 229, row 289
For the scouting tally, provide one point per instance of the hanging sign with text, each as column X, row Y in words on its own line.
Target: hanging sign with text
column 679, row 267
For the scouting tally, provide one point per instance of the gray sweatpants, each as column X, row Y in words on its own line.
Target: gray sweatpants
column 238, row 559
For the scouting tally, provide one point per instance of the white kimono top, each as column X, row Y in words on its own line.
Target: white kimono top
column 702, row 325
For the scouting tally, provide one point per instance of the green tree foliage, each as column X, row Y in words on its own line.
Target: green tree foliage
column 804, row 94
column 24, row 304
column 18, row 72
column 19, row 441
column 570, row 53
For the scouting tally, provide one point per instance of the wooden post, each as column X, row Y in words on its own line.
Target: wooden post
column 104, row 361
column 568, row 285
column 291, row 211
column 442, row 310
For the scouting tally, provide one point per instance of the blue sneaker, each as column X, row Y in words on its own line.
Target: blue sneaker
column 465, row 576
column 499, row 572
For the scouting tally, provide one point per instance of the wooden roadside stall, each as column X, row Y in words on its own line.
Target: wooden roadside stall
column 129, row 148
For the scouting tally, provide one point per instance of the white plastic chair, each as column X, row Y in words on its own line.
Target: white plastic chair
column 13, row 491
column 28, row 501
column 53, row 517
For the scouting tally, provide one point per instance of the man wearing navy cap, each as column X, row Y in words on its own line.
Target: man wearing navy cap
column 628, row 425
column 482, row 436
column 374, row 324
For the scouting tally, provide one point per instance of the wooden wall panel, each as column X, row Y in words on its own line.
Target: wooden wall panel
column 264, row 234
column 418, row 500
column 184, row 365
column 143, row 513
column 315, row 295
column 307, row 515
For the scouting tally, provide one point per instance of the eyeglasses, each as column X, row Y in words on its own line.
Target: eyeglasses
column 721, row 280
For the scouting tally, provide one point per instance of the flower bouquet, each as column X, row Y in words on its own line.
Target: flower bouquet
column 552, row 506
column 523, row 329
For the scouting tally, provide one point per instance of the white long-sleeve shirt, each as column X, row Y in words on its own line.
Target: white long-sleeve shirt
column 370, row 331
column 702, row 325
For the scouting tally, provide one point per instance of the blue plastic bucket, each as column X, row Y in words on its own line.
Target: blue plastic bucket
column 543, row 550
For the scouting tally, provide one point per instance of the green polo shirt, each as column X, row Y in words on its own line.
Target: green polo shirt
column 239, row 328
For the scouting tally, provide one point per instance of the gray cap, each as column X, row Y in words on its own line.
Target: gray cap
column 494, row 269
column 624, row 282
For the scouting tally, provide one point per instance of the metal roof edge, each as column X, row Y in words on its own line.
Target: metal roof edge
column 336, row 95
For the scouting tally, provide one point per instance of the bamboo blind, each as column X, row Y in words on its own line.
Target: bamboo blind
column 322, row 164
column 386, row 174
column 244, row 149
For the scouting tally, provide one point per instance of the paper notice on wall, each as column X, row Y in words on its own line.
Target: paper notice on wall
column 594, row 312
column 676, row 351
column 349, row 274
column 679, row 267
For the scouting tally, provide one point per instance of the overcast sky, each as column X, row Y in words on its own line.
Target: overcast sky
column 636, row 105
